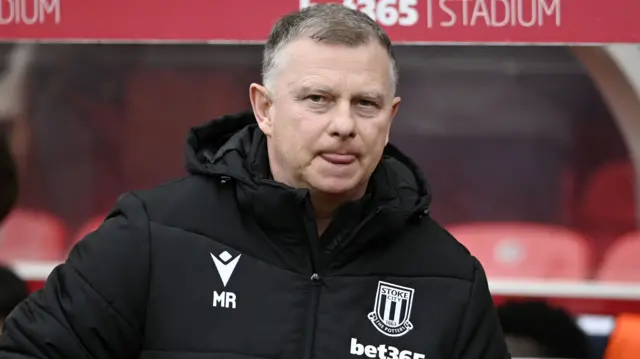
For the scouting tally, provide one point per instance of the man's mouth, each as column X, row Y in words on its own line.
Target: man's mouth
column 338, row 159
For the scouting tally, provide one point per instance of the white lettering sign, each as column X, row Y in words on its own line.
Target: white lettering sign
column 385, row 12
column 494, row 13
column 29, row 12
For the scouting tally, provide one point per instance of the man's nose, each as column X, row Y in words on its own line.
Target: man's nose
column 343, row 124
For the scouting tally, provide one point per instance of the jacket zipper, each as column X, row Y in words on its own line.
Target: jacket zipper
column 318, row 264
column 316, row 283
column 317, row 269
column 346, row 241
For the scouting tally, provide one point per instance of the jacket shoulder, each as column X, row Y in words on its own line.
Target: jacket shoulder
column 440, row 245
column 426, row 249
column 186, row 195
column 192, row 203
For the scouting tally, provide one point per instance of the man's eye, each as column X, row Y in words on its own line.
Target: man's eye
column 316, row 98
column 366, row 103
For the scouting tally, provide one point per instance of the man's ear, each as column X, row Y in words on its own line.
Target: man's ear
column 261, row 104
column 394, row 110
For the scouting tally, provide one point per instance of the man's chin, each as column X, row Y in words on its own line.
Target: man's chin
column 336, row 186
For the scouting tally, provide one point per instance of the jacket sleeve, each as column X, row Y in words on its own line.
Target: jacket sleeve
column 480, row 335
column 93, row 305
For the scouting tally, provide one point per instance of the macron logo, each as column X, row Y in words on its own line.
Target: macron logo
column 225, row 264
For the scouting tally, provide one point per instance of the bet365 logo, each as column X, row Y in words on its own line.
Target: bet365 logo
column 382, row 351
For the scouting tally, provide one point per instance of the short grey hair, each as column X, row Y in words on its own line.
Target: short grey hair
column 327, row 23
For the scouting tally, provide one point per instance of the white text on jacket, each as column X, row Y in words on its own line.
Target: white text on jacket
column 382, row 351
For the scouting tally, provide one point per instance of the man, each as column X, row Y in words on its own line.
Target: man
column 13, row 290
column 302, row 236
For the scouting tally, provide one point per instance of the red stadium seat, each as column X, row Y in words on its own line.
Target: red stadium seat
column 608, row 208
column 526, row 249
column 31, row 235
column 622, row 260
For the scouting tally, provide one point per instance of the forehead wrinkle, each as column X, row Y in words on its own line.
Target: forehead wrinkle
column 288, row 52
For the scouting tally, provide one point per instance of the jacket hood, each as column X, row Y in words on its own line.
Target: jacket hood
column 233, row 149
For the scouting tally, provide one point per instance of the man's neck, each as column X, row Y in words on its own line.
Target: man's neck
column 326, row 206
column 324, row 211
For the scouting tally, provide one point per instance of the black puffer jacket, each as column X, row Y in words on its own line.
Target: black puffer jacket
column 227, row 264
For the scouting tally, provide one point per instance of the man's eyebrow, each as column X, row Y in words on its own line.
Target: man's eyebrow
column 307, row 89
column 371, row 95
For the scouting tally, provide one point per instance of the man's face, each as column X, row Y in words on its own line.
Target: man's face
column 329, row 114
